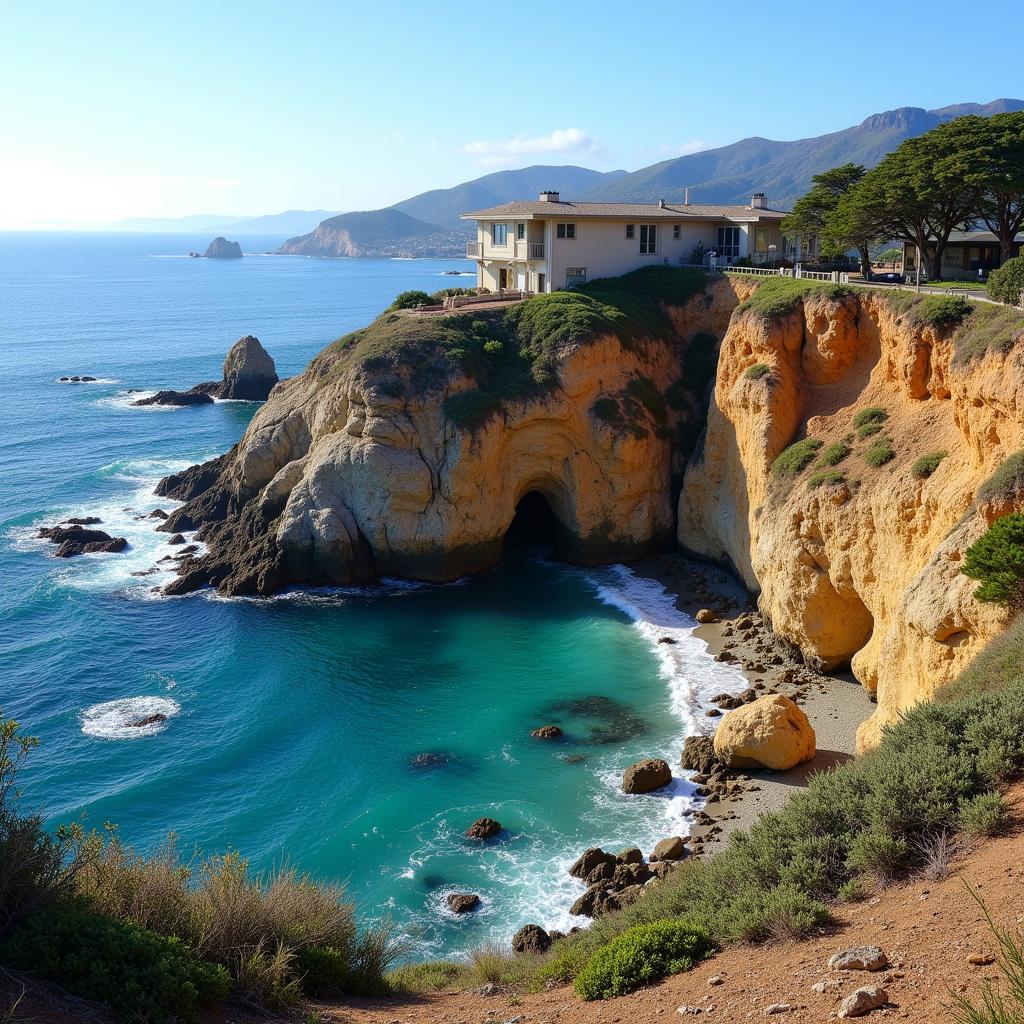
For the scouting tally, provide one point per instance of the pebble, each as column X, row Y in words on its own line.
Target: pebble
column 770, row 1011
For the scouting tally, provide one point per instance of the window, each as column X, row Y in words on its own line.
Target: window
column 677, row 230
column 760, row 239
column 575, row 276
column 630, row 230
column 520, row 232
column 728, row 244
column 648, row 239
column 499, row 234
column 565, row 231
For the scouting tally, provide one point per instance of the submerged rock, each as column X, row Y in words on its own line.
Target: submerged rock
column 547, row 732
column 430, row 759
column 148, row 720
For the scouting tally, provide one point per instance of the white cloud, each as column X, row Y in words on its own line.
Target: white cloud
column 686, row 148
column 561, row 140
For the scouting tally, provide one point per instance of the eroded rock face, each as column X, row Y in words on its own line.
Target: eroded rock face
column 866, row 570
column 354, row 469
column 771, row 732
column 249, row 371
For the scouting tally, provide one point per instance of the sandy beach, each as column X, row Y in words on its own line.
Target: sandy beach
column 835, row 705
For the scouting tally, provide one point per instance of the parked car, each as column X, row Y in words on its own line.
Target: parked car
column 889, row 277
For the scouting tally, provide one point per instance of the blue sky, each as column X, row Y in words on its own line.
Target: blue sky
column 114, row 109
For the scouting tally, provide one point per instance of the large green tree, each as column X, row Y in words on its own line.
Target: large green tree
column 811, row 211
column 917, row 194
column 991, row 160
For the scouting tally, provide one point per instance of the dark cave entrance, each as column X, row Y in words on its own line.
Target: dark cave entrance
column 534, row 528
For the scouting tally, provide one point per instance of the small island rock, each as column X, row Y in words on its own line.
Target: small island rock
column 249, row 371
column 483, row 828
column 646, row 776
column 770, row 732
column 181, row 398
column 221, row 249
column 77, row 540
column 547, row 732
column 463, row 902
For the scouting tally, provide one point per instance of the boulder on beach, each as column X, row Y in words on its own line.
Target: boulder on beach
column 672, row 848
column 221, row 249
column 699, row 755
column 531, row 938
column 463, row 902
column 646, row 776
column 771, row 732
column 589, row 859
column 706, row 615
column 483, row 828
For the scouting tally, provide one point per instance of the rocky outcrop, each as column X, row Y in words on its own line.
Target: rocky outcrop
column 771, row 732
column 531, row 938
column 249, row 372
column 859, row 563
column 182, row 398
column 483, row 828
column 405, row 449
column 463, row 902
column 73, row 539
column 221, row 249
column 249, row 375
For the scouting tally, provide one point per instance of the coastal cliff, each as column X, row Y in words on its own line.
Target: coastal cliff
column 404, row 449
column 856, row 445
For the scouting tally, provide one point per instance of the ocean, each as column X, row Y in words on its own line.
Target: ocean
column 293, row 724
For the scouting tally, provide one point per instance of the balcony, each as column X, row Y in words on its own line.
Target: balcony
column 474, row 250
column 536, row 251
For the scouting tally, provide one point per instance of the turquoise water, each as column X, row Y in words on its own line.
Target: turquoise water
column 292, row 722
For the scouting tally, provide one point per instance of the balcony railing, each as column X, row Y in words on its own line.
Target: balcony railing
column 536, row 251
column 474, row 250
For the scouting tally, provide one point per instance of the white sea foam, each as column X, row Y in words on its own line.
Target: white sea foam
column 113, row 720
column 127, row 398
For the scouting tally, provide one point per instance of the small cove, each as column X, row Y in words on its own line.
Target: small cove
column 297, row 721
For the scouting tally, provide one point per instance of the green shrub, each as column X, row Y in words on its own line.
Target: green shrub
column 411, row 299
column 777, row 297
column 640, row 956
column 493, row 965
column 493, row 347
column 880, row 452
column 471, row 410
column 796, row 457
column 133, row 970
column 984, row 815
column 1007, row 283
column 927, row 464
column 432, row 976
column 329, row 972
column 757, row 371
column 869, row 421
column 1006, row 481
column 990, row 329
column 826, row 476
column 996, row 560
column 833, row 454
column 942, row 312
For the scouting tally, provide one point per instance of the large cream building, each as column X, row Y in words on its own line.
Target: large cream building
column 551, row 243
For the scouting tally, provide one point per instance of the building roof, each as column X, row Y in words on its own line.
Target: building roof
column 528, row 210
column 976, row 237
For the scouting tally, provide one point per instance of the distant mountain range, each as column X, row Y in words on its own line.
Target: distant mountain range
column 273, row 223
column 430, row 224
column 783, row 170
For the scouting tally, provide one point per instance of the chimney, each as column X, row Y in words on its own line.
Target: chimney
column 549, row 197
column 661, row 204
column 686, row 196
column 759, row 201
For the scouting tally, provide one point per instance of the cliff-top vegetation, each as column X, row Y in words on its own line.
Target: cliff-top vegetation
column 509, row 353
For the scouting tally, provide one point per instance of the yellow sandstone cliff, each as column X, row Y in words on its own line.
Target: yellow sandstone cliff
column 857, row 563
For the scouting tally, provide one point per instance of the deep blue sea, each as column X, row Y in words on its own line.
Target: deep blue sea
column 292, row 721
